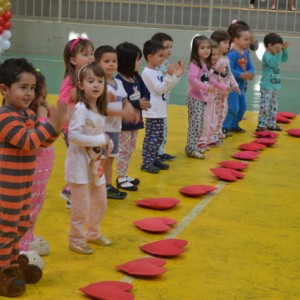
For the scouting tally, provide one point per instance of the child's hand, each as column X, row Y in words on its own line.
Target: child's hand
column 73, row 97
column 211, row 89
column 60, row 115
column 180, row 69
column 229, row 89
column 145, row 104
column 111, row 97
column 285, row 45
column 130, row 114
column 172, row 68
column 237, row 89
column 247, row 76
column 220, row 69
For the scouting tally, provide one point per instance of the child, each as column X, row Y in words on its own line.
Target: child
column 225, row 76
column 43, row 168
column 276, row 53
column 118, row 106
column 167, row 42
column 129, row 60
column 77, row 53
column 243, row 70
column 200, row 98
column 21, row 135
column 158, row 85
column 86, row 130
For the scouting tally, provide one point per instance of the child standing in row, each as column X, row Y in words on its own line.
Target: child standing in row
column 167, row 42
column 222, row 67
column 43, row 168
column 77, row 53
column 243, row 70
column 118, row 107
column 21, row 135
column 276, row 53
column 129, row 60
column 86, row 129
column 158, row 85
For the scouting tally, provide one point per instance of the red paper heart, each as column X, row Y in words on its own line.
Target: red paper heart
column 109, row 290
column 158, row 203
column 159, row 224
column 227, row 174
column 287, row 114
column 265, row 134
column 232, row 164
column 265, row 141
column 197, row 190
column 167, row 247
column 247, row 155
column 294, row 132
column 281, row 119
column 147, row 266
column 252, row 146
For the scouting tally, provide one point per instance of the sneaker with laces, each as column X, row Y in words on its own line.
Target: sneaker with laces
column 161, row 165
column 150, row 168
column 82, row 248
column 167, row 157
column 114, row 193
column 102, row 240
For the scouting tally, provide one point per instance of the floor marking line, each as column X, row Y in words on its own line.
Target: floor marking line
column 186, row 220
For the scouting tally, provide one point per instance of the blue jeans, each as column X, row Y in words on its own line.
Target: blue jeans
column 237, row 106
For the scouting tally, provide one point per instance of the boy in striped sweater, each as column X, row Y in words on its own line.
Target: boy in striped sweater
column 20, row 136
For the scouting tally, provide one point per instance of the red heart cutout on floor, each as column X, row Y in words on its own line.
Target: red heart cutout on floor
column 287, row 114
column 232, row 164
column 247, row 155
column 252, row 146
column 294, row 132
column 196, row 190
column 147, row 266
column 265, row 141
column 159, row 224
column 265, row 134
column 282, row 119
column 158, row 203
column 109, row 290
column 167, row 247
column 227, row 174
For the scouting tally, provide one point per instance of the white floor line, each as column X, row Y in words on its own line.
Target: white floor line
column 186, row 220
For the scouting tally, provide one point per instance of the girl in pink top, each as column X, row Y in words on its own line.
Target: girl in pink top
column 77, row 53
column 200, row 96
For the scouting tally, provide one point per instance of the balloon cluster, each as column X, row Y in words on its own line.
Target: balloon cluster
column 5, row 25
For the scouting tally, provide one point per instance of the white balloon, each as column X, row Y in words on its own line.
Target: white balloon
column 6, row 34
column 5, row 45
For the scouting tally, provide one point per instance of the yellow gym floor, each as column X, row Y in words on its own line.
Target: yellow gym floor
column 244, row 238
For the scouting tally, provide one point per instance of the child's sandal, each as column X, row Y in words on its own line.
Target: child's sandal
column 275, row 128
column 260, row 129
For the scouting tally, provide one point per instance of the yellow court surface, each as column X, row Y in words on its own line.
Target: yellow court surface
column 243, row 238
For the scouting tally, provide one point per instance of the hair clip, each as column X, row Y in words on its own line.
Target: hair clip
column 76, row 41
column 38, row 70
column 233, row 21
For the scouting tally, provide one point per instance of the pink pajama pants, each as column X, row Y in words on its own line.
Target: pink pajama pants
column 89, row 203
column 221, row 111
column 128, row 140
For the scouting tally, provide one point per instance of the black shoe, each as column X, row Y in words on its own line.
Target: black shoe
column 167, row 157
column 134, row 181
column 150, row 169
column 114, row 193
column 126, row 185
column 238, row 129
column 161, row 165
column 226, row 132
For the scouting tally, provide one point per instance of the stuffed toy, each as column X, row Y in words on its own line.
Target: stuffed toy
column 34, row 258
column 40, row 245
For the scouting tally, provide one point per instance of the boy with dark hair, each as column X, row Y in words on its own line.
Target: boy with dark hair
column 167, row 42
column 158, row 85
column 21, row 135
column 276, row 53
